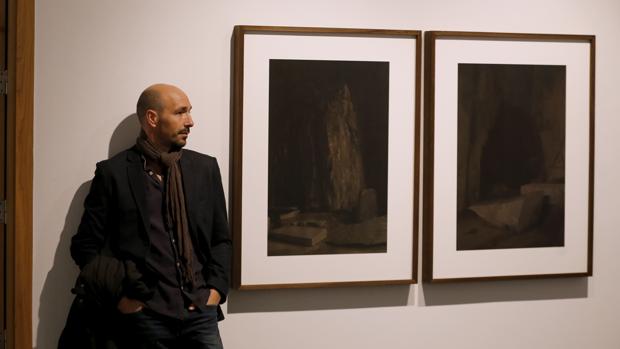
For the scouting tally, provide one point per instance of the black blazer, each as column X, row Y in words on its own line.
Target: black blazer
column 115, row 213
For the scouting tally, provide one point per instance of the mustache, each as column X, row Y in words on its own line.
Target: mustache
column 184, row 131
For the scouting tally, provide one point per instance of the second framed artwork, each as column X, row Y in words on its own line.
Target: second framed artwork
column 509, row 155
column 325, row 153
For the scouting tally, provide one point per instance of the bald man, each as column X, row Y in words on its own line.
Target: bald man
column 160, row 208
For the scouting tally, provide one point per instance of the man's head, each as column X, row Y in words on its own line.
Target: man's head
column 164, row 114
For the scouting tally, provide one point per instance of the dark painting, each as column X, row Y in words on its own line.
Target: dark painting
column 328, row 157
column 511, row 156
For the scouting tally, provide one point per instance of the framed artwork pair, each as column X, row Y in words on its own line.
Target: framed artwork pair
column 334, row 170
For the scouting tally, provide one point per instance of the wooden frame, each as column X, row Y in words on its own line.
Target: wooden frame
column 20, row 175
column 432, row 181
column 237, row 144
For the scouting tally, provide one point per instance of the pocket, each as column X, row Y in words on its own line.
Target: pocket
column 211, row 314
column 211, row 310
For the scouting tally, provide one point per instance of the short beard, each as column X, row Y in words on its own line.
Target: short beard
column 176, row 147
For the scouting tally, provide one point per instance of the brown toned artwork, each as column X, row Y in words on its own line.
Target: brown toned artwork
column 319, row 115
column 511, row 155
column 328, row 152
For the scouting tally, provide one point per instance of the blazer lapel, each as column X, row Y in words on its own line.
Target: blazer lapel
column 135, row 173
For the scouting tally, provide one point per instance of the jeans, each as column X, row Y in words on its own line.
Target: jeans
column 149, row 330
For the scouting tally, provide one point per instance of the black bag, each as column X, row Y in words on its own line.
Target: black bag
column 89, row 325
column 92, row 322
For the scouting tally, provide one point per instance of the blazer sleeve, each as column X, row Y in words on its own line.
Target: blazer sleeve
column 219, row 269
column 90, row 237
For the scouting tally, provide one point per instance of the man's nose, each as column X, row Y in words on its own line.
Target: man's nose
column 189, row 122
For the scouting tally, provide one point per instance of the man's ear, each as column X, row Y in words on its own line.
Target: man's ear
column 151, row 118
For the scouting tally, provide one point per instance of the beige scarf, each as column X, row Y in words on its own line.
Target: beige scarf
column 176, row 213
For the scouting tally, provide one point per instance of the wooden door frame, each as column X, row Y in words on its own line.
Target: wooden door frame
column 20, row 117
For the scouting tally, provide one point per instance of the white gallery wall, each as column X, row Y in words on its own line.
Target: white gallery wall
column 93, row 58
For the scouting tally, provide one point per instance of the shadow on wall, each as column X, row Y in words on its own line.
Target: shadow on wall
column 124, row 136
column 318, row 299
column 56, row 294
column 503, row 291
column 453, row 293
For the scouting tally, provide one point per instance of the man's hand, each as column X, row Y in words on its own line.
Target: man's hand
column 128, row 306
column 214, row 297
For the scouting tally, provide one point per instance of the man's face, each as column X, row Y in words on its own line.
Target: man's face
column 174, row 120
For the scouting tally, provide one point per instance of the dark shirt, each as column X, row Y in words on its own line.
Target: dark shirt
column 171, row 297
